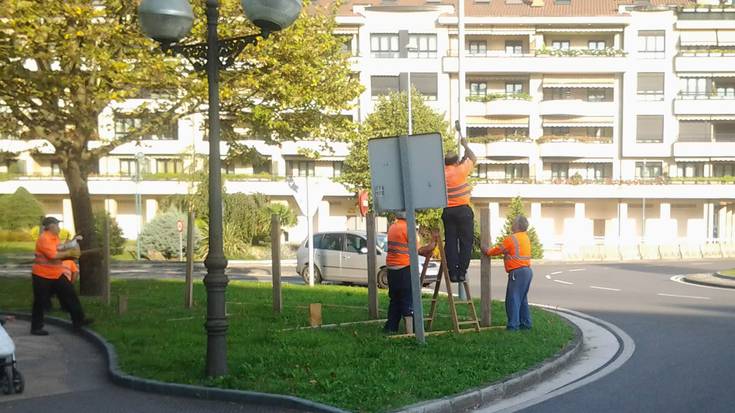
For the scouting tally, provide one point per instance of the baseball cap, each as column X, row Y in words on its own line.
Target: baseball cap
column 49, row 220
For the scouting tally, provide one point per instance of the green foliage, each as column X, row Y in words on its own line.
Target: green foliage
column 515, row 209
column 20, row 210
column 15, row 236
column 162, row 236
column 390, row 118
column 117, row 241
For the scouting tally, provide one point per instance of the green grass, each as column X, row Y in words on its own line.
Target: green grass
column 354, row 367
column 16, row 251
column 729, row 273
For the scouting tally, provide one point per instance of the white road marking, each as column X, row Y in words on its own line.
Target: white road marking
column 548, row 277
column 680, row 279
column 556, row 272
column 577, row 270
column 684, row 296
column 604, row 288
column 563, row 282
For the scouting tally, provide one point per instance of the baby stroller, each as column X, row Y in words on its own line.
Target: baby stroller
column 11, row 381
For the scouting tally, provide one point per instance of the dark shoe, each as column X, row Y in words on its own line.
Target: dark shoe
column 83, row 323
column 525, row 327
column 39, row 332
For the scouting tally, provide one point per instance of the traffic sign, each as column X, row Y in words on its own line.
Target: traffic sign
column 180, row 225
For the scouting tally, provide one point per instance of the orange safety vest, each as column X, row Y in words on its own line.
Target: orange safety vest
column 45, row 265
column 458, row 189
column 516, row 251
column 398, row 245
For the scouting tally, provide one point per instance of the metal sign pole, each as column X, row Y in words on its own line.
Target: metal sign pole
column 418, row 310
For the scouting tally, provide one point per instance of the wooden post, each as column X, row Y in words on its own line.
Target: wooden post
column 189, row 291
column 122, row 304
column 371, row 264
column 106, row 259
column 485, row 273
column 276, row 263
column 315, row 314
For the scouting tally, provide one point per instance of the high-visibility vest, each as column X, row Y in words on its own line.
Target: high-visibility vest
column 458, row 189
column 516, row 251
column 398, row 245
column 45, row 264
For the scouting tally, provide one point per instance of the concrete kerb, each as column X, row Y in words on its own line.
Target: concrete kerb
column 509, row 387
column 184, row 390
column 710, row 280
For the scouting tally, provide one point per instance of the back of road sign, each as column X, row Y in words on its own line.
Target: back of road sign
column 426, row 166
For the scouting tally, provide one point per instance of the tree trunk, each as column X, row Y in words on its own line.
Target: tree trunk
column 91, row 281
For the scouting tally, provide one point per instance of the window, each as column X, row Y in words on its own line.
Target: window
column 300, row 168
column 228, row 168
column 127, row 167
column 599, row 132
column 513, row 88
column 169, row 166
column 695, row 131
column 560, row 131
column 262, row 165
column 478, row 48
column 690, row 169
column 426, row 84
column 355, row 243
column 56, row 169
column 559, row 170
column 558, row 94
column 478, row 88
column 384, row 45
column 650, row 129
column 648, row 169
column 724, row 132
column 723, row 169
column 337, row 168
column 15, row 166
column 383, row 85
column 317, row 241
column 513, row 47
column 597, row 171
column 560, row 44
column 125, row 125
column 518, row 171
column 482, row 171
column 695, row 87
column 515, row 132
column 349, row 44
column 651, row 44
column 724, row 90
column 424, row 45
column 651, row 86
column 596, row 45
column 331, row 242
column 598, row 229
column 599, row 95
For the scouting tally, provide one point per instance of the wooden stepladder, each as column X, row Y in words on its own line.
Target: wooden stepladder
column 453, row 302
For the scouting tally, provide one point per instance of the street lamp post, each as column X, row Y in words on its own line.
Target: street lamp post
column 169, row 21
column 139, row 158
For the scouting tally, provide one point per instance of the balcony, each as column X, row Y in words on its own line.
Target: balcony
column 502, row 146
column 577, row 108
column 704, row 104
column 704, row 149
column 581, row 60
column 707, row 61
column 499, row 105
column 576, row 147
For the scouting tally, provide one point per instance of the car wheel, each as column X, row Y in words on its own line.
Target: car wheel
column 317, row 274
column 383, row 278
column 19, row 383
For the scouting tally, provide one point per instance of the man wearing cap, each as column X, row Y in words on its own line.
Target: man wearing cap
column 51, row 275
column 399, row 272
column 458, row 218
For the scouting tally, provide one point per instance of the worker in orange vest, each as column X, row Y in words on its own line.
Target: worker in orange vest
column 52, row 275
column 516, row 252
column 458, row 217
column 399, row 272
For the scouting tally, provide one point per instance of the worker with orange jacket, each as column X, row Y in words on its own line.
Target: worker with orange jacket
column 516, row 252
column 52, row 275
column 458, row 217
column 399, row 272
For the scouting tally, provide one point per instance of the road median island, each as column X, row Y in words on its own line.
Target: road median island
column 353, row 367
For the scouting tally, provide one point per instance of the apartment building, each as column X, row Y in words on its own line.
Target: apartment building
column 613, row 119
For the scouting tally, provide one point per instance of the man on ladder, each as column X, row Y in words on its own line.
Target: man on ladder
column 458, row 217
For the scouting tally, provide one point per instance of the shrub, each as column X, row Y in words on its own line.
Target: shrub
column 21, row 210
column 117, row 241
column 64, row 234
column 162, row 236
column 15, row 236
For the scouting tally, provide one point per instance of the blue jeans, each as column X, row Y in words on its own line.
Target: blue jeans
column 399, row 291
column 516, row 298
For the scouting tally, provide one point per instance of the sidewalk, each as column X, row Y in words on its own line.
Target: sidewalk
column 711, row 280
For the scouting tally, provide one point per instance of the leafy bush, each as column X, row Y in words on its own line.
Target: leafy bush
column 64, row 234
column 15, row 236
column 117, row 241
column 161, row 236
column 21, row 210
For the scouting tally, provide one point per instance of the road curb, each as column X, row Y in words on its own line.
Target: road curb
column 506, row 388
column 185, row 390
column 724, row 277
column 711, row 284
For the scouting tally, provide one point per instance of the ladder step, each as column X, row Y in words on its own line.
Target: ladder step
column 468, row 322
column 462, row 302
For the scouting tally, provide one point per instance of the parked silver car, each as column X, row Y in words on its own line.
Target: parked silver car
column 342, row 257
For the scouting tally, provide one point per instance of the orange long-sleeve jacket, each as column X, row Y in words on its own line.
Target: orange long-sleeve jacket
column 515, row 249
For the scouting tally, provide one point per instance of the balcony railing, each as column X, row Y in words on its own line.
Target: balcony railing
column 574, row 139
column 500, row 138
column 608, row 52
column 144, row 177
column 707, row 53
column 578, row 180
column 498, row 96
column 706, row 96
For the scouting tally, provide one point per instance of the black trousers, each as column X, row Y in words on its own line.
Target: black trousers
column 459, row 223
column 399, row 291
column 43, row 288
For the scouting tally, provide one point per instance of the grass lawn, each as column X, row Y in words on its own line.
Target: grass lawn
column 729, row 273
column 353, row 367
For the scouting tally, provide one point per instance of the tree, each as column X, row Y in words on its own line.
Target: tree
column 62, row 63
column 117, row 241
column 515, row 209
column 21, row 210
column 161, row 235
column 390, row 118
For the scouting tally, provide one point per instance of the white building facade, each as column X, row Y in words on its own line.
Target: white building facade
column 614, row 122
